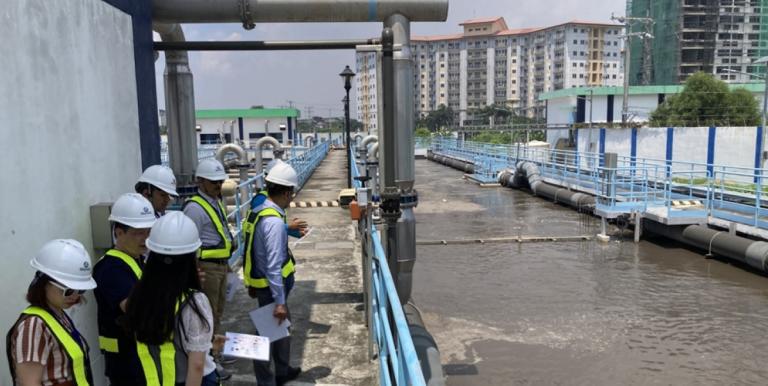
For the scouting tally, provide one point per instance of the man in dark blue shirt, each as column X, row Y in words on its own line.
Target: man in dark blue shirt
column 116, row 273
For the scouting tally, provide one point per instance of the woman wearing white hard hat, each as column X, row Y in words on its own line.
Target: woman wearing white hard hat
column 158, row 185
column 169, row 315
column 44, row 347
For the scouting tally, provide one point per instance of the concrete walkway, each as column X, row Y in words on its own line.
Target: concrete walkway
column 329, row 337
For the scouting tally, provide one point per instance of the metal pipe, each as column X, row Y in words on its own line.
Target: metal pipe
column 250, row 12
column 403, row 89
column 261, row 45
column 310, row 141
column 425, row 346
column 264, row 141
column 367, row 140
column 179, row 110
column 223, row 150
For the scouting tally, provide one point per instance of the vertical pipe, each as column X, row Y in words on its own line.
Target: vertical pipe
column 625, row 101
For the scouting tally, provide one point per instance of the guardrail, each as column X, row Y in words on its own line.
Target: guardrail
column 730, row 193
column 398, row 362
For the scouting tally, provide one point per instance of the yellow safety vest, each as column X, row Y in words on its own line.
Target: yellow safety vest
column 220, row 251
column 107, row 343
column 251, row 277
column 167, row 361
column 78, row 357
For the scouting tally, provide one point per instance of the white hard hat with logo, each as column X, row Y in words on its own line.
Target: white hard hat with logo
column 174, row 234
column 211, row 169
column 161, row 177
column 67, row 262
column 133, row 210
column 283, row 174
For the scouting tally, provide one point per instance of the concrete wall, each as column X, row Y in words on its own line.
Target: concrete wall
column 690, row 144
column 69, row 121
column 735, row 146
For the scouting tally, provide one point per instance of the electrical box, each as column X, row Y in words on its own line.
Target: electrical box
column 611, row 160
column 101, row 230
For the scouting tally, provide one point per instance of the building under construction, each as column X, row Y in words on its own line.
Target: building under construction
column 721, row 37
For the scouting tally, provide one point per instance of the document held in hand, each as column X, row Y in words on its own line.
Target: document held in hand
column 246, row 346
column 268, row 325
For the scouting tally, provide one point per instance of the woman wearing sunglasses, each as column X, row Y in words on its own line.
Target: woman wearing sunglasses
column 170, row 317
column 44, row 347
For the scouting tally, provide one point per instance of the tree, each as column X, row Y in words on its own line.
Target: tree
column 422, row 132
column 436, row 119
column 706, row 101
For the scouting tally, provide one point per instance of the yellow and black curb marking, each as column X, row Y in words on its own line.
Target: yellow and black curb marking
column 315, row 204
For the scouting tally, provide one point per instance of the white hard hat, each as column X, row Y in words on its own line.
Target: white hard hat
column 134, row 210
column 67, row 262
column 211, row 169
column 272, row 164
column 283, row 174
column 161, row 177
column 174, row 234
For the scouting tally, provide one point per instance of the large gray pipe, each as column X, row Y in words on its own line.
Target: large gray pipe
column 425, row 345
column 464, row 166
column 309, row 141
column 179, row 107
column 530, row 171
column 249, row 12
column 260, row 144
column 750, row 252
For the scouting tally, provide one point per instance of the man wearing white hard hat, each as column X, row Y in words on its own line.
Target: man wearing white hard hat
column 209, row 214
column 157, row 184
column 44, row 346
column 297, row 227
column 116, row 273
column 269, row 266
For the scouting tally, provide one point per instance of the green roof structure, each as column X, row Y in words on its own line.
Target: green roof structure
column 246, row 113
column 636, row 90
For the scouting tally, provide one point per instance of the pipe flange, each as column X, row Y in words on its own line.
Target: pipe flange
column 245, row 15
column 409, row 199
column 390, row 203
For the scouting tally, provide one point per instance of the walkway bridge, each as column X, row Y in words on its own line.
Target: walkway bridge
column 349, row 327
column 669, row 192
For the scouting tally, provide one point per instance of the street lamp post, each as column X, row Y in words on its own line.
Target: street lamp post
column 347, row 75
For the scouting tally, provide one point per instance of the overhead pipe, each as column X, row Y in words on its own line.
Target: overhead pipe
column 249, row 12
column 261, row 45
column 179, row 110
column 260, row 144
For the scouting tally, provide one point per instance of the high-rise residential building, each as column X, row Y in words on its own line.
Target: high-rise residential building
column 367, row 91
column 488, row 64
column 721, row 37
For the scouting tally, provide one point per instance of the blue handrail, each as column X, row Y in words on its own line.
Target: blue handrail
column 396, row 356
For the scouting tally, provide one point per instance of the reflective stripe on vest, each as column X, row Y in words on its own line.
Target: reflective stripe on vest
column 167, row 362
column 73, row 349
column 249, row 227
column 213, row 252
column 107, row 343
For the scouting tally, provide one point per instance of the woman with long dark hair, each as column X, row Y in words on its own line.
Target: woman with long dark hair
column 44, row 347
column 169, row 316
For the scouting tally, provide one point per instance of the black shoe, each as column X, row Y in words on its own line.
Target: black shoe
column 291, row 374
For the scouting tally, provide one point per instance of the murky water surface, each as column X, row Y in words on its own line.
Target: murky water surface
column 576, row 313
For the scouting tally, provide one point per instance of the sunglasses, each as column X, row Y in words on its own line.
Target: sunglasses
column 66, row 291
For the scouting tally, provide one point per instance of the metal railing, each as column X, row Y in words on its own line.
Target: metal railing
column 398, row 362
column 730, row 193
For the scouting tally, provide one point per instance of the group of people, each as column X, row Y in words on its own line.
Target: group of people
column 160, row 290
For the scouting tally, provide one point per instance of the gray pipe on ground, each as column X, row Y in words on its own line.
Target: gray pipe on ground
column 464, row 166
column 425, row 345
column 744, row 250
column 179, row 108
column 249, row 12
column 529, row 171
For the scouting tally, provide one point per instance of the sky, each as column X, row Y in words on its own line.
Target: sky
column 309, row 79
